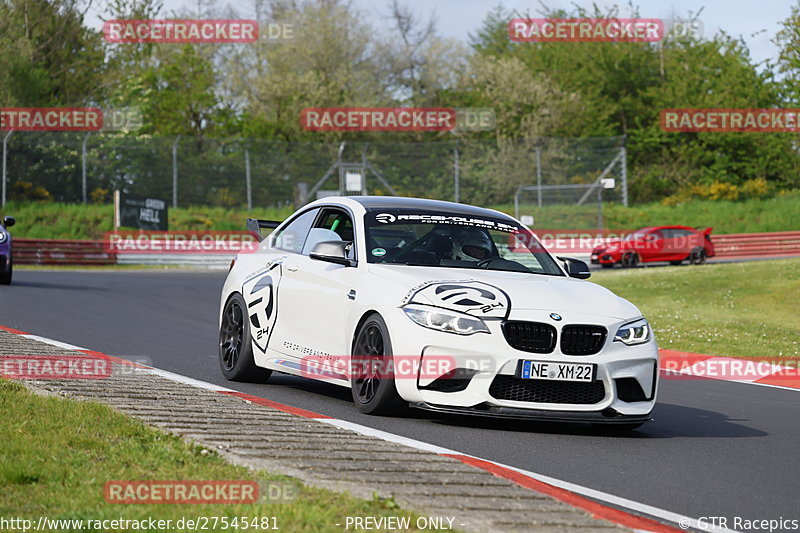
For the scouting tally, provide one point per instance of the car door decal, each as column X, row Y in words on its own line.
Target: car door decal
column 261, row 294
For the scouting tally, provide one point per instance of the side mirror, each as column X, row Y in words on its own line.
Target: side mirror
column 9, row 221
column 575, row 267
column 333, row 252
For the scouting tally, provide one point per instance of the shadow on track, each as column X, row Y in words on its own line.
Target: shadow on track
column 310, row 386
column 669, row 421
column 58, row 286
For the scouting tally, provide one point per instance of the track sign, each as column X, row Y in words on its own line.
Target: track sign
column 133, row 211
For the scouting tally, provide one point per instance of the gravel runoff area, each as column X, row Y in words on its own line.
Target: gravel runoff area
column 319, row 454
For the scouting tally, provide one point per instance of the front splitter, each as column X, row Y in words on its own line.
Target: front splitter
column 606, row 416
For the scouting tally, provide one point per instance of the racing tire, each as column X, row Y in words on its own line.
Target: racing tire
column 373, row 387
column 5, row 277
column 630, row 260
column 698, row 256
column 236, row 344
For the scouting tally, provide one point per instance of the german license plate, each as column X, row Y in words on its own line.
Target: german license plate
column 553, row 371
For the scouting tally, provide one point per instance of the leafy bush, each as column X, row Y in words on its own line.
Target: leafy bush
column 718, row 190
column 100, row 195
column 25, row 190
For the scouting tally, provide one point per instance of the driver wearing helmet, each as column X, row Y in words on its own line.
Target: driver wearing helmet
column 472, row 244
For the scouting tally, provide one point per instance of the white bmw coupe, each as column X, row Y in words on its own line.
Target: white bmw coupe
column 441, row 306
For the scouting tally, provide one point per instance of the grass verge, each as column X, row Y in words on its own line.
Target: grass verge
column 70, row 221
column 57, row 455
column 735, row 309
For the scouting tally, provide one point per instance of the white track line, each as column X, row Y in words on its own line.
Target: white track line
column 52, row 342
column 618, row 501
column 594, row 494
column 389, row 437
column 166, row 374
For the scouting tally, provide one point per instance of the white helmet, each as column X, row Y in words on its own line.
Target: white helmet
column 472, row 245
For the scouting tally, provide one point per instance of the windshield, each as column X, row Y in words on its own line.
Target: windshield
column 427, row 238
column 636, row 236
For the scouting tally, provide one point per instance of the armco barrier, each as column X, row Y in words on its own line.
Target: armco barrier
column 745, row 245
column 67, row 252
column 191, row 260
column 61, row 252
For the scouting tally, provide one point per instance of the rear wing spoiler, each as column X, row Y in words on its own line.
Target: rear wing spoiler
column 254, row 226
column 705, row 231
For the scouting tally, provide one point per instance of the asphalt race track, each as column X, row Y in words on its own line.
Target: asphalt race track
column 714, row 448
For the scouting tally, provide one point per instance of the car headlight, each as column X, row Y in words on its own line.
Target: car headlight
column 634, row 333
column 445, row 320
column 3, row 237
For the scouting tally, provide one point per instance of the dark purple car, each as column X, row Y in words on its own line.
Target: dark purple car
column 5, row 251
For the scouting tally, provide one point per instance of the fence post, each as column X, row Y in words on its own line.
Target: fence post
column 600, row 209
column 175, row 171
column 83, row 164
column 624, row 170
column 457, row 186
column 5, row 145
column 247, row 179
column 539, row 171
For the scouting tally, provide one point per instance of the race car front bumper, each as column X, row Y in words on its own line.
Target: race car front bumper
column 486, row 379
column 606, row 416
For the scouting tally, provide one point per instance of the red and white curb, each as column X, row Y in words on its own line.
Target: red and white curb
column 687, row 365
column 600, row 505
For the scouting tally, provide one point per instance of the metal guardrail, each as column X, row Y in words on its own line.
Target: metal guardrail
column 82, row 252
column 773, row 244
column 61, row 252
column 193, row 260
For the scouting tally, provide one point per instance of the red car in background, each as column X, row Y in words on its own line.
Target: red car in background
column 659, row 243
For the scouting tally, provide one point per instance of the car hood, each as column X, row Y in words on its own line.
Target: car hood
column 524, row 291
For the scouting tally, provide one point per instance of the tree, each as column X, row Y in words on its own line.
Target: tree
column 47, row 56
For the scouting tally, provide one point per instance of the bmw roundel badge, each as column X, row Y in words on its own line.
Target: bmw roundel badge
column 555, row 316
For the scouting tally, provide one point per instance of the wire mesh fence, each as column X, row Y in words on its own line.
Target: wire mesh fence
column 234, row 173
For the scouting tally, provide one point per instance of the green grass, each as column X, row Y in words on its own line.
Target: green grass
column 735, row 309
column 51, row 220
column 75, row 221
column 57, row 455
